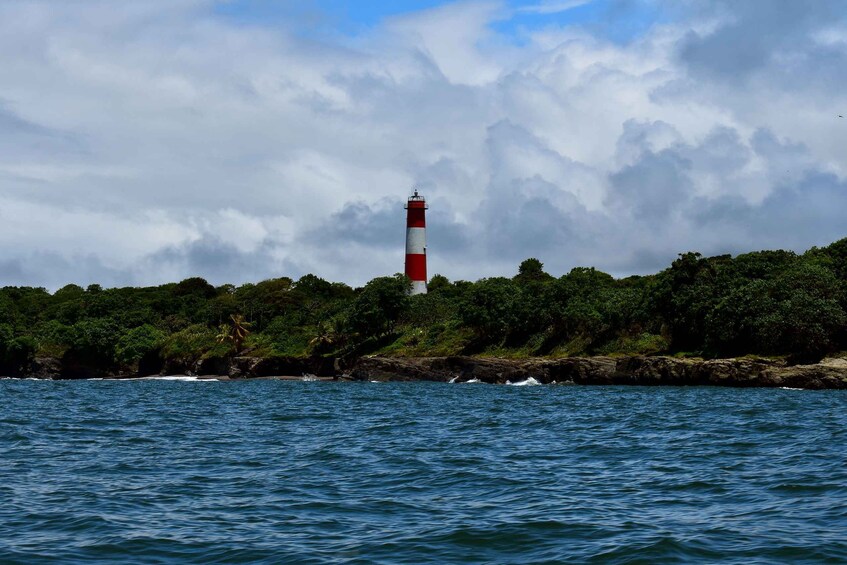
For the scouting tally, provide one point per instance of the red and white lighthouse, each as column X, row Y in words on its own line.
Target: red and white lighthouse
column 416, row 242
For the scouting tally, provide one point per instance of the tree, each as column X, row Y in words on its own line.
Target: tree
column 287, row 336
column 94, row 341
column 312, row 285
column 134, row 344
column 685, row 294
column 195, row 286
column 808, row 315
column 15, row 351
column 328, row 335
column 379, row 306
column 235, row 333
column 426, row 310
column 489, row 308
column 798, row 312
column 68, row 293
column 438, row 284
column 531, row 270
column 190, row 344
column 833, row 256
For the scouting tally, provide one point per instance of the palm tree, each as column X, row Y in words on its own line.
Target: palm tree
column 236, row 332
column 323, row 339
column 328, row 334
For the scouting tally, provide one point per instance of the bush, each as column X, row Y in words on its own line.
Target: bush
column 15, row 351
column 138, row 342
column 192, row 344
column 489, row 308
column 379, row 306
column 94, row 340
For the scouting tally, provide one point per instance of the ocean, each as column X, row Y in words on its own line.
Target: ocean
column 321, row 472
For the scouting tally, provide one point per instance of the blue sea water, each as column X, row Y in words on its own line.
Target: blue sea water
column 316, row 472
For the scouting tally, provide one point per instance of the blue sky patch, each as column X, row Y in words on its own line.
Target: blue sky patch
column 617, row 20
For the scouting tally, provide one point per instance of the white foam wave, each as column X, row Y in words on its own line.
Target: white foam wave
column 177, row 378
column 470, row 381
column 23, row 379
column 528, row 382
column 180, row 378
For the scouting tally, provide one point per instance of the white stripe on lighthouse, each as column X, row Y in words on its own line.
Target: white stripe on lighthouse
column 418, row 287
column 415, row 241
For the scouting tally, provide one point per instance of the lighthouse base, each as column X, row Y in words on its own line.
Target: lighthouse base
column 418, row 287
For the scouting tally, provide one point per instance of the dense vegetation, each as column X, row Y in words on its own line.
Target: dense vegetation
column 764, row 303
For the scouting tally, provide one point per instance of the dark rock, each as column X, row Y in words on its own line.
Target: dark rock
column 45, row 368
column 399, row 369
column 583, row 370
column 150, row 364
column 81, row 367
column 248, row 367
column 636, row 370
column 213, row 366
column 176, row 367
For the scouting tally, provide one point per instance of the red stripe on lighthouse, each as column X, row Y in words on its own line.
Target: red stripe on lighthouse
column 416, row 267
column 416, row 216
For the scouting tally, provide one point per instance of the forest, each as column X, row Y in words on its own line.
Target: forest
column 766, row 303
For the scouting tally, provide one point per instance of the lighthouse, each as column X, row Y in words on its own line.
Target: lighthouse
column 416, row 242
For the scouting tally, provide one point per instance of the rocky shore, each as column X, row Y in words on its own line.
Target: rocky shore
column 639, row 371
column 52, row 368
column 636, row 370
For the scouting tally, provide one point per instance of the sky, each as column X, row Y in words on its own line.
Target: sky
column 149, row 141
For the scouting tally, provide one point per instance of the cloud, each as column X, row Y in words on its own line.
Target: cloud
column 554, row 7
column 150, row 141
column 756, row 34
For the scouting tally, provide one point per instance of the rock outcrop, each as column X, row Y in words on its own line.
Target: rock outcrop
column 639, row 371
column 636, row 370
column 247, row 367
column 44, row 368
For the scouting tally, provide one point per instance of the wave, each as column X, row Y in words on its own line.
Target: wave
column 531, row 381
column 184, row 378
column 180, row 378
column 471, row 381
column 176, row 455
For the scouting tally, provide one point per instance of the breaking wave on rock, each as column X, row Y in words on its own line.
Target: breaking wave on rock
column 531, row 381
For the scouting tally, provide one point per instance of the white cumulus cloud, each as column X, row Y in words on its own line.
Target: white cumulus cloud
column 144, row 142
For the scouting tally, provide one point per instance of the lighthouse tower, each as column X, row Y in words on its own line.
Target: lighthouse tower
column 416, row 242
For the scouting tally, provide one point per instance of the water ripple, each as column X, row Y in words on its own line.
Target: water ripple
column 272, row 471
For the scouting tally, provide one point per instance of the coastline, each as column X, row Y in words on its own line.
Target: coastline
column 634, row 371
column 830, row 373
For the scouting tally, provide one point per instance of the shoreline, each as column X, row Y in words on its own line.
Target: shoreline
column 829, row 374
